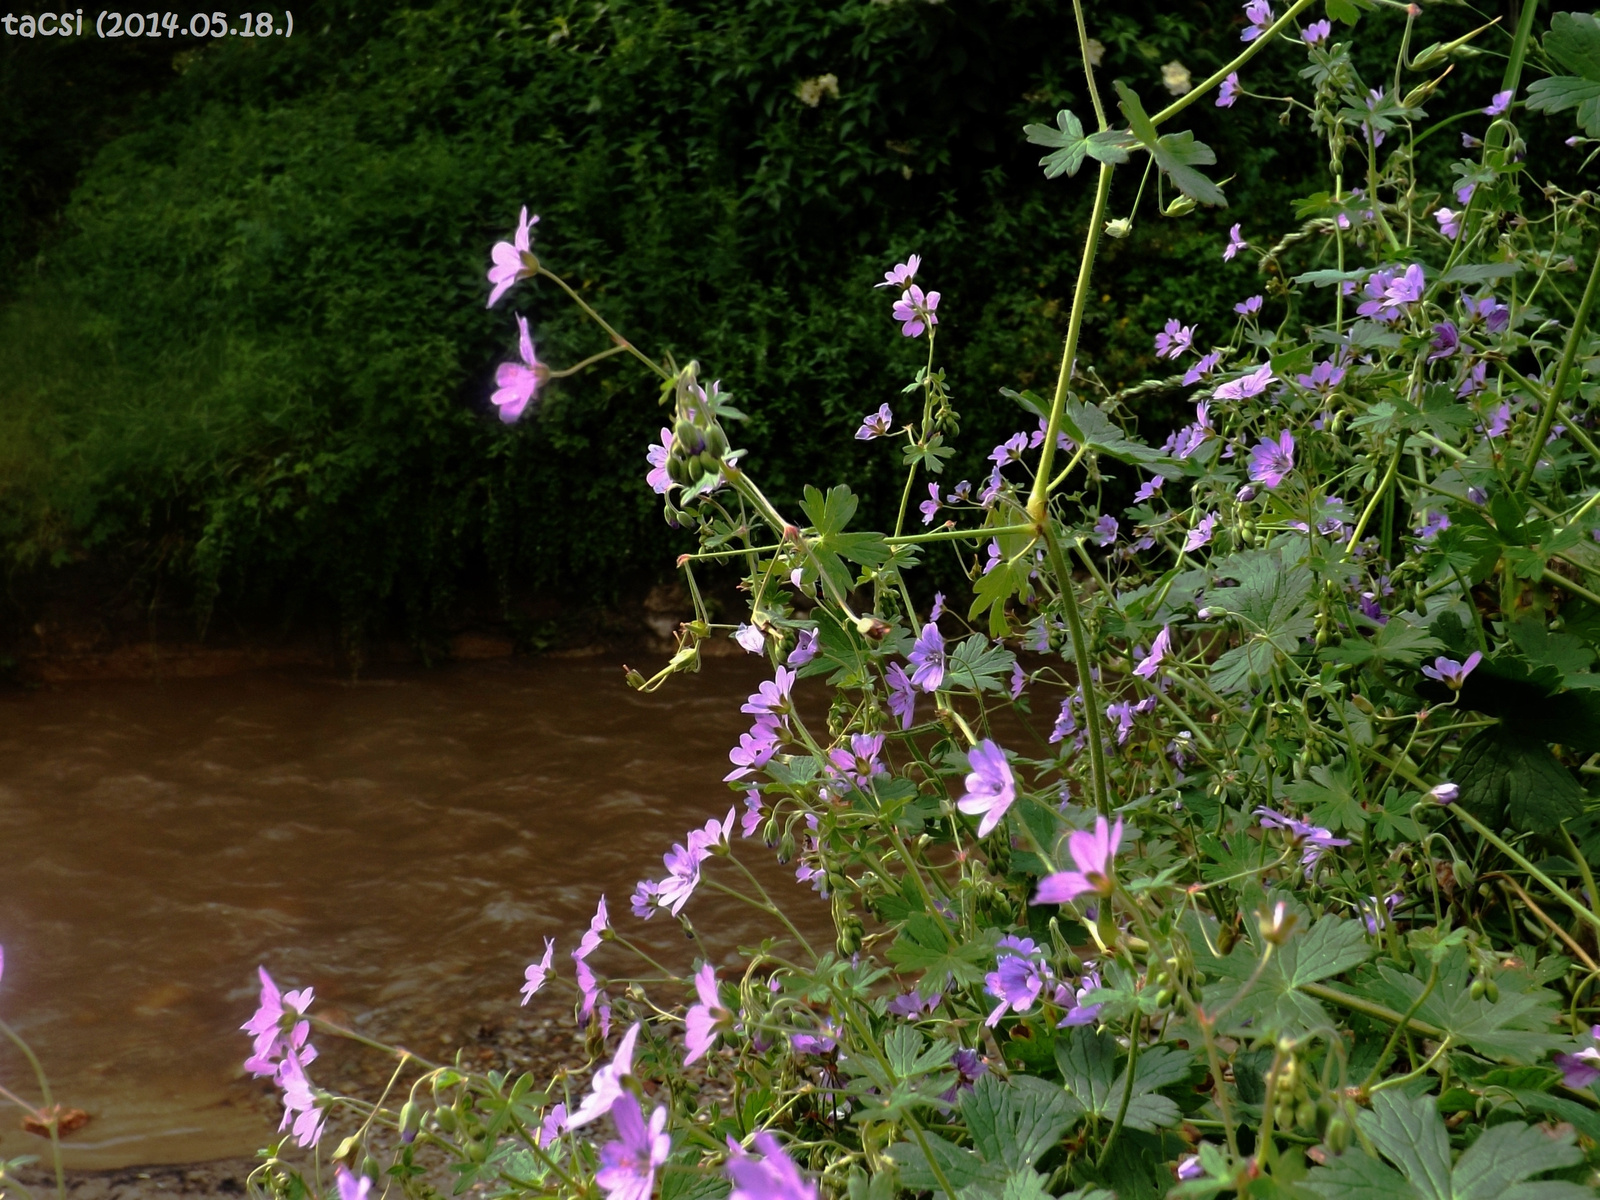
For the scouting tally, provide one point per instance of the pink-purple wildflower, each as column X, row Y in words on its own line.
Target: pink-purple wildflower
column 538, row 972
column 1174, row 340
column 916, row 311
column 1207, row 364
column 1094, row 854
column 1249, row 307
column 1201, row 534
column 774, row 1176
column 657, row 478
column 512, row 260
column 1317, row 32
column 517, row 382
column 876, row 425
column 991, row 788
column 1228, row 93
column 605, row 1089
column 1272, row 460
column 902, row 274
column 927, row 658
column 1150, row 665
column 1259, row 14
column 1500, row 104
column 1451, row 673
column 628, row 1165
column 902, row 695
column 1252, row 384
column 1017, row 979
column 704, row 1021
column 1235, row 244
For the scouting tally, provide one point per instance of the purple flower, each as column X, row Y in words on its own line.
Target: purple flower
column 1015, row 982
column 1449, row 222
column 1151, row 663
column 1019, row 680
column 773, row 1177
column 1105, row 531
column 1228, row 93
column 512, row 261
column 538, row 972
column 1495, row 316
column 1248, row 308
column 518, row 381
column 1315, row 840
column 1148, row 488
column 1452, row 673
column 1200, row 535
column 553, row 1126
column 1245, row 494
column 279, row 1028
column 299, row 1101
column 805, row 648
column 902, row 695
column 703, row 1021
column 1446, row 340
column 927, row 658
column 1444, row 793
column 1476, row 495
column 913, row 1004
column 969, row 1069
column 1432, row 525
column 1079, row 1013
column 754, row 814
column 1583, row 1068
column 961, row 493
column 755, row 748
column 643, row 900
column 1174, row 339
column 860, row 763
column 1271, row 461
column 991, row 788
column 772, row 696
column 1476, row 380
column 1317, row 32
column 1376, row 289
column 876, row 425
column 628, row 1165
column 750, row 639
column 1010, row 450
column 915, row 311
column 1122, row 714
column 598, row 925
column 937, row 610
column 823, row 1042
column 1094, row 853
column 1036, row 438
column 930, row 507
column 1065, row 722
column 1259, row 13
column 1236, row 243
column 605, row 1089
column 351, row 1187
column 1405, row 289
column 658, row 479
column 1498, row 106
column 683, row 875
column 1324, row 377
column 1246, row 386
column 902, row 274
column 1206, row 365
column 1189, row 1167
column 1468, row 142
column 1464, row 192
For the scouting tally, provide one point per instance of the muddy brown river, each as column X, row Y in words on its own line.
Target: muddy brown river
column 403, row 844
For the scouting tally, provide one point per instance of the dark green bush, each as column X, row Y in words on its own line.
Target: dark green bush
column 258, row 358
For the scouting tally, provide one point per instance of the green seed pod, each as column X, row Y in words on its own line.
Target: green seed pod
column 710, row 464
column 1305, row 1115
column 371, row 1168
column 716, row 441
column 1491, row 991
column 1477, row 989
column 1462, row 873
column 851, row 931
column 1338, row 1136
column 678, row 468
column 786, row 849
column 446, row 1119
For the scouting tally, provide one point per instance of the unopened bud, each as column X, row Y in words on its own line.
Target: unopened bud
column 1119, row 228
column 410, row 1121
column 1444, row 793
column 1181, row 206
column 1278, row 925
column 874, row 629
column 1245, row 494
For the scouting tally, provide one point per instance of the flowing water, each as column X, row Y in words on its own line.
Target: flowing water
column 402, row 844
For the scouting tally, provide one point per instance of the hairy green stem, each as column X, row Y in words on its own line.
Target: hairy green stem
column 1547, row 410
column 1085, row 668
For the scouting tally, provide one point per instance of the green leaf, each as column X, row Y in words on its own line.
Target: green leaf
column 1089, row 426
column 1088, row 1063
column 1330, row 797
column 1508, row 775
column 1138, row 122
column 1542, row 647
column 1343, row 10
column 960, row 1166
column 1067, row 137
column 1517, row 1028
column 1561, row 92
column 1016, row 1122
column 1408, row 1132
column 922, row 946
column 1177, row 154
column 1475, row 273
column 1005, row 580
column 1272, row 603
column 1574, row 42
column 980, row 665
column 1330, row 947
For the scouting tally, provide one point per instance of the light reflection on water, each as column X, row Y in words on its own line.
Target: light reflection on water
column 401, row 844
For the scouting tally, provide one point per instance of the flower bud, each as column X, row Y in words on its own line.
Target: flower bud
column 1444, row 793
column 874, row 629
column 410, row 1121
column 1338, row 1135
column 1277, row 925
column 1246, row 494
column 1119, row 228
column 1461, row 873
column 1181, row 206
